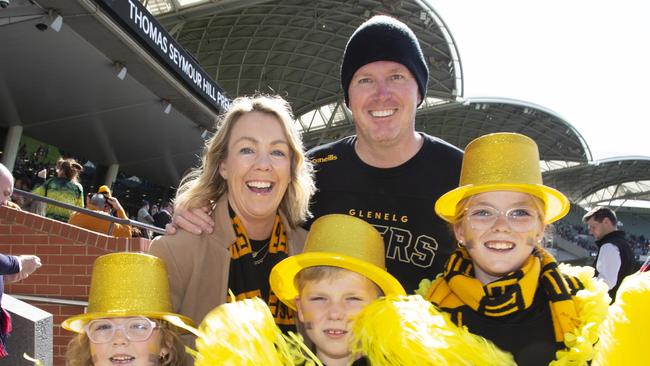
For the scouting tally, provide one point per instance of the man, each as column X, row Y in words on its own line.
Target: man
column 387, row 174
column 103, row 204
column 145, row 217
column 164, row 216
column 107, row 194
column 615, row 259
column 143, row 213
column 6, row 188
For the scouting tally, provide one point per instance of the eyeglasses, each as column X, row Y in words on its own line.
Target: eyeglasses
column 520, row 219
column 134, row 329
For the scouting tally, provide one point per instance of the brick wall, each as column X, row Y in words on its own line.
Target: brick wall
column 67, row 253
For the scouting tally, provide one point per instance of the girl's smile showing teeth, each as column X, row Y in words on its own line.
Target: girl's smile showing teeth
column 499, row 245
column 121, row 359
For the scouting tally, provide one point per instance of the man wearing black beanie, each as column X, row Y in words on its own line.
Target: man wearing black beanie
column 389, row 174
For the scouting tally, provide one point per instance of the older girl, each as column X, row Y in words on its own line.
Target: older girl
column 500, row 282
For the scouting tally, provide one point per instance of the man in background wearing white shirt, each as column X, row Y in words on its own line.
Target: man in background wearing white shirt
column 615, row 259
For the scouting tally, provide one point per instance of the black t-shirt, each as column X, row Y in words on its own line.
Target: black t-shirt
column 397, row 201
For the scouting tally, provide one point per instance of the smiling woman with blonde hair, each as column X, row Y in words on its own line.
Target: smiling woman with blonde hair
column 258, row 182
column 501, row 283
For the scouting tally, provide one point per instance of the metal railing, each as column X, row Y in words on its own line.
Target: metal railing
column 113, row 220
column 50, row 300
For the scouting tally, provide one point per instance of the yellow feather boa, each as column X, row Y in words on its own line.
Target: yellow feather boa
column 409, row 331
column 243, row 333
column 591, row 303
column 624, row 334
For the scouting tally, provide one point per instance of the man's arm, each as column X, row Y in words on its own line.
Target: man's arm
column 9, row 264
column 26, row 264
column 193, row 220
column 609, row 262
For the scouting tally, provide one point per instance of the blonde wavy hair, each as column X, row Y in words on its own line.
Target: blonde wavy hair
column 78, row 352
column 204, row 184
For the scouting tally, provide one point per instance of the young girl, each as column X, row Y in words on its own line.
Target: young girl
column 500, row 283
column 125, row 323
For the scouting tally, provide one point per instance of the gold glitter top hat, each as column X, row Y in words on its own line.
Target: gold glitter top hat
column 339, row 241
column 127, row 284
column 502, row 162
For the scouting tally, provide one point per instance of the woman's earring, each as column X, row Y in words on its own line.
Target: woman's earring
column 460, row 244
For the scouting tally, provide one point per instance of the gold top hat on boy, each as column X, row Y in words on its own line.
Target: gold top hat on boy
column 127, row 284
column 502, row 162
column 339, row 241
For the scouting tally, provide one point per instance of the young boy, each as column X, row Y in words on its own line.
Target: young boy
column 340, row 272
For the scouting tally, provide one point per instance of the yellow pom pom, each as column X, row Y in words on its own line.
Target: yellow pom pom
column 624, row 334
column 591, row 304
column 423, row 287
column 243, row 333
column 408, row 331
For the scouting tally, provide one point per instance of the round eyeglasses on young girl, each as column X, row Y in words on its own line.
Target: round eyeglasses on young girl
column 520, row 219
column 136, row 329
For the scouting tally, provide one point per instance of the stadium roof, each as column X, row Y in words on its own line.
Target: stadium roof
column 603, row 181
column 291, row 47
column 294, row 47
column 459, row 122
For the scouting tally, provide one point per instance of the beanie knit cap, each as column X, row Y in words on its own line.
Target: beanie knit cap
column 383, row 38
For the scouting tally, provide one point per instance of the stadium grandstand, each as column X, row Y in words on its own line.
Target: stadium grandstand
column 132, row 90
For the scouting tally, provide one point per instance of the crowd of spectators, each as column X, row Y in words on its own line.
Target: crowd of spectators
column 579, row 235
column 32, row 165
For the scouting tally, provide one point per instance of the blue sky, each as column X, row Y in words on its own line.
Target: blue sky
column 588, row 61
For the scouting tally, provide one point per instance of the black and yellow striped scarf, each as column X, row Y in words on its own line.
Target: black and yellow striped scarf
column 514, row 292
column 249, row 277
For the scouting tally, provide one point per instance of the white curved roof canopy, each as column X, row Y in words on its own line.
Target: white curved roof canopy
column 294, row 47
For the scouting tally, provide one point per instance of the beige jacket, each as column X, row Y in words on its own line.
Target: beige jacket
column 198, row 265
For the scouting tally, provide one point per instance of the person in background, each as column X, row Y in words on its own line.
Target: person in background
column 103, row 204
column 7, row 188
column 615, row 259
column 106, row 191
column 12, row 269
column 65, row 187
column 24, row 184
column 163, row 216
column 145, row 217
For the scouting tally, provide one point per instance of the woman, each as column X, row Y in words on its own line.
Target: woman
column 255, row 174
column 125, row 322
column 500, row 282
column 65, row 187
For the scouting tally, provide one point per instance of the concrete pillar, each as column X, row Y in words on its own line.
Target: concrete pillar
column 32, row 333
column 12, row 143
column 111, row 174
